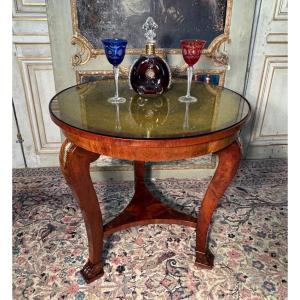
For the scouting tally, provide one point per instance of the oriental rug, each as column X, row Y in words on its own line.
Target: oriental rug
column 248, row 237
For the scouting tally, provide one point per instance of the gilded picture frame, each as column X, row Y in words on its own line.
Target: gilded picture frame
column 87, row 51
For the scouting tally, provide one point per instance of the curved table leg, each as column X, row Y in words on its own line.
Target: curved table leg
column 229, row 159
column 75, row 166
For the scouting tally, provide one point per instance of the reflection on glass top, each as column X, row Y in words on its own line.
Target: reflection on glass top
column 86, row 107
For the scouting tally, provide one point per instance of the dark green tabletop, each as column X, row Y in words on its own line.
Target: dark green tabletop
column 86, row 107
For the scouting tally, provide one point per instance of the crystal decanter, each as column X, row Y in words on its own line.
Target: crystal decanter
column 150, row 74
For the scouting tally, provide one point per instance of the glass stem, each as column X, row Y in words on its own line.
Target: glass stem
column 116, row 74
column 186, row 117
column 190, row 77
column 118, row 124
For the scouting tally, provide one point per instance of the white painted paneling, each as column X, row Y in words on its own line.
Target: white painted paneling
column 39, row 87
column 35, row 49
column 50, row 132
column 281, row 10
column 33, row 85
column 33, row 28
column 30, row 6
column 22, row 115
column 270, row 126
column 34, row 2
column 275, row 116
column 277, row 38
column 267, row 85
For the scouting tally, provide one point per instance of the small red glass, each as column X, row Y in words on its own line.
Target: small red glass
column 191, row 52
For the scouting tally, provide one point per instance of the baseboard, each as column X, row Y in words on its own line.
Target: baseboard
column 267, row 151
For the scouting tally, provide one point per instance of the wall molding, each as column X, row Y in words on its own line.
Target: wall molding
column 271, row 65
column 277, row 38
column 29, row 68
column 22, row 6
column 29, row 10
column 281, row 10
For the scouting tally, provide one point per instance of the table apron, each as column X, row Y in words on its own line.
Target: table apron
column 149, row 153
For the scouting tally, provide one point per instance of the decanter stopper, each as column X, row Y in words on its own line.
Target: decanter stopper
column 150, row 26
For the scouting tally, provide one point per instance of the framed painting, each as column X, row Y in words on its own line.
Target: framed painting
column 202, row 19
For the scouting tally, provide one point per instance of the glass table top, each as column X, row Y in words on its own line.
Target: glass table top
column 86, row 107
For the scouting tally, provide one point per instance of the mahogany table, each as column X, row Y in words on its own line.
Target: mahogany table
column 156, row 128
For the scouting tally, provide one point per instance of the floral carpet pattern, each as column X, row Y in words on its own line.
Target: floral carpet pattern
column 248, row 237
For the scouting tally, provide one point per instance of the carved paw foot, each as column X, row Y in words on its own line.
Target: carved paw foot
column 91, row 272
column 204, row 260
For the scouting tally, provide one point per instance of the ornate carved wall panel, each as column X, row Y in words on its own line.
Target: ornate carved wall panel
column 271, row 123
column 39, row 74
column 277, row 38
column 32, row 8
column 39, row 86
column 33, row 84
column 267, row 86
column 281, row 10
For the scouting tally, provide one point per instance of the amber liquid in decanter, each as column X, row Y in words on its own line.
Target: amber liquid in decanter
column 150, row 74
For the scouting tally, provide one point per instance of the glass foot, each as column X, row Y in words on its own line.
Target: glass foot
column 116, row 100
column 187, row 99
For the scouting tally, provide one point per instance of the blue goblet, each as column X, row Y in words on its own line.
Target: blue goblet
column 115, row 52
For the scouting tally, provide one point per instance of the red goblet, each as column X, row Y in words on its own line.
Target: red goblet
column 191, row 52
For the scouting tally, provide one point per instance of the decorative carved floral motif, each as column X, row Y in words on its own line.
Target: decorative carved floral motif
column 84, row 53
